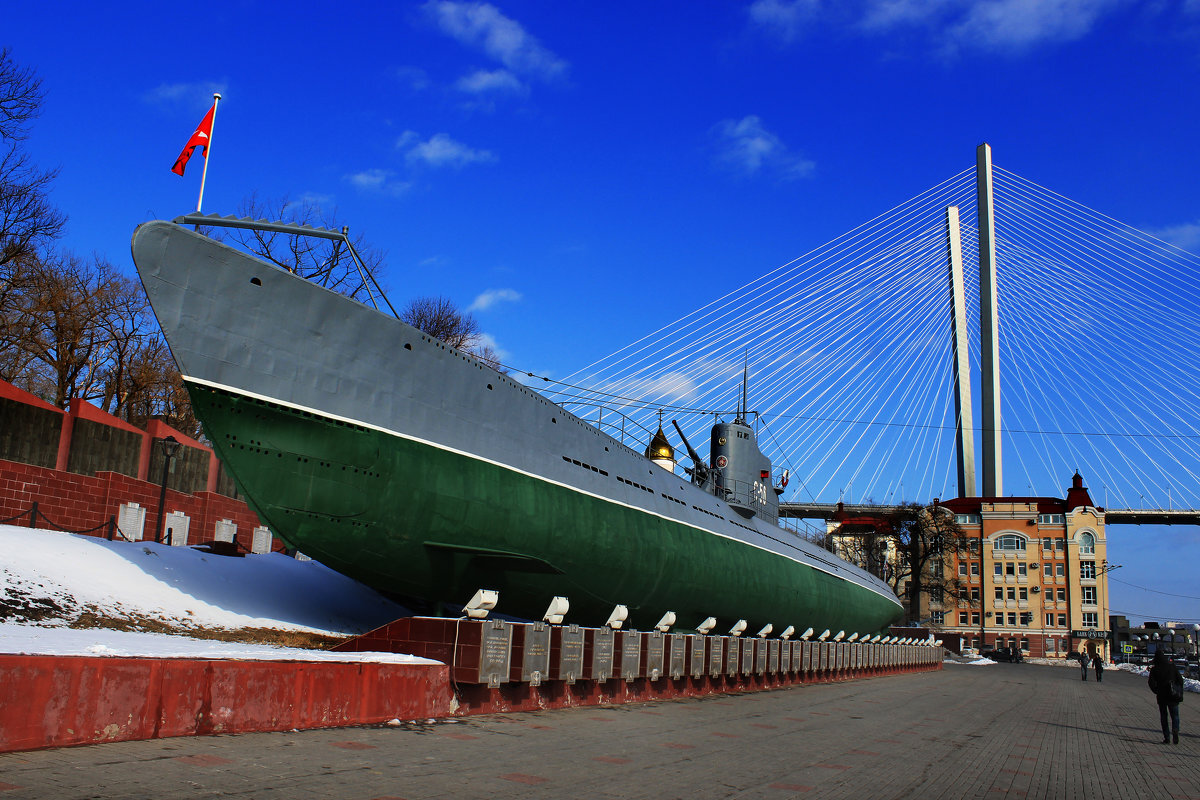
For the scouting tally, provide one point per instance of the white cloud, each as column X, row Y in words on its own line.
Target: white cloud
column 785, row 19
column 482, row 26
column 950, row 25
column 378, row 180
column 999, row 24
column 441, row 151
column 414, row 78
column 497, row 81
column 199, row 93
column 747, row 147
column 1185, row 236
column 493, row 296
column 486, row 342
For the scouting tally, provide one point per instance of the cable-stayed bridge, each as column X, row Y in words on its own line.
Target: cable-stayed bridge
column 851, row 362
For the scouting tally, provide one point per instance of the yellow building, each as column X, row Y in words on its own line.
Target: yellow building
column 1033, row 576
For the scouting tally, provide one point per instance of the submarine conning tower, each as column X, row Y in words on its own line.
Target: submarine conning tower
column 741, row 473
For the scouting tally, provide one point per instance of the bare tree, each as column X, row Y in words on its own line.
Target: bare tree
column 323, row 261
column 441, row 319
column 923, row 539
column 27, row 219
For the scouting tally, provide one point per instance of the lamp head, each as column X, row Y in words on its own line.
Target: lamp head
column 766, row 631
column 617, row 618
column 823, row 636
column 787, row 632
column 482, row 602
column 707, row 625
column 807, row 634
column 737, row 628
column 557, row 610
column 664, row 624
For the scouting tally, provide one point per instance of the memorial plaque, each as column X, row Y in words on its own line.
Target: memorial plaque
column 839, row 662
column 760, row 657
column 716, row 656
column 806, row 656
column 733, row 654
column 599, row 661
column 785, row 656
column 772, row 656
column 570, row 653
column 696, row 660
column 631, row 655
column 655, row 650
column 495, row 652
column 677, row 652
column 858, row 662
column 823, row 665
column 535, row 654
column 747, row 656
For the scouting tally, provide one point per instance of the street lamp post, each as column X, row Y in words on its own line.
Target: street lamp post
column 170, row 447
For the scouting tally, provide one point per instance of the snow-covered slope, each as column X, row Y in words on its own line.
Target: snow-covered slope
column 63, row 593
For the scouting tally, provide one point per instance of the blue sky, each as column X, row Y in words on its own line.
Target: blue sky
column 579, row 173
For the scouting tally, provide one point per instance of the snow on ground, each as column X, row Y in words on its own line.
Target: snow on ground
column 50, row 580
column 1189, row 685
column 59, row 640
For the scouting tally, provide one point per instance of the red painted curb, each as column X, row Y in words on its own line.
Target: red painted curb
column 53, row 701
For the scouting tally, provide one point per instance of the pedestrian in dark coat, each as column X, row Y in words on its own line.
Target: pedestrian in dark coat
column 1167, row 685
column 1098, row 663
column 1083, row 663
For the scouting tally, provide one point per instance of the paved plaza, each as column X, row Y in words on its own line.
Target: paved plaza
column 1009, row 730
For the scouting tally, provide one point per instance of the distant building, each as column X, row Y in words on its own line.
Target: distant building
column 1033, row 574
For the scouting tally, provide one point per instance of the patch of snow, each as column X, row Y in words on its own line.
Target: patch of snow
column 186, row 586
column 63, row 575
column 1189, row 685
column 63, row 641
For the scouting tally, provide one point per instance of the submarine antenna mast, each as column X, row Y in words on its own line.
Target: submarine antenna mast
column 745, row 380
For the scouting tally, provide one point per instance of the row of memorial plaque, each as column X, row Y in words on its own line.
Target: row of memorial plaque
column 570, row 653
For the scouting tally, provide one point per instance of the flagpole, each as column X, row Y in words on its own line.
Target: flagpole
column 208, row 151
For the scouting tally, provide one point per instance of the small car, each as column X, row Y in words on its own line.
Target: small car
column 1011, row 654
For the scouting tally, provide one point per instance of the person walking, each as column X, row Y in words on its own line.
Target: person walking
column 1098, row 663
column 1167, row 685
column 1083, row 663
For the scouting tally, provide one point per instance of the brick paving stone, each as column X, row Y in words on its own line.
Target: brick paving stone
column 1009, row 730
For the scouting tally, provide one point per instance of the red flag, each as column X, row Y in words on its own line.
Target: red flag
column 199, row 139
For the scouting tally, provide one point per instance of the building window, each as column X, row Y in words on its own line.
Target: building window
column 1088, row 597
column 939, row 617
column 962, row 618
column 1048, row 569
column 1023, row 594
column 962, row 568
column 998, row 568
column 975, row 594
column 1024, row 643
column 1010, row 569
column 1052, row 519
column 1021, row 570
column 1087, row 544
column 1012, row 593
column 1009, row 541
column 1090, row 619
column 1062, row 595
column 1059, row 545
column 1049, row 620
column 973, row 545
column 975, row 642
column 1087, row 570
column 974, row 617
column 999, row 592
column 1000, row 619
column 1012, row 618
column 966, row 519
column 1062, row 620
column 974, row 567
column 1059, row 571
column 1048, row 543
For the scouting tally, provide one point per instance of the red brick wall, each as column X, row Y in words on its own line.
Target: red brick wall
column 77, row 502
